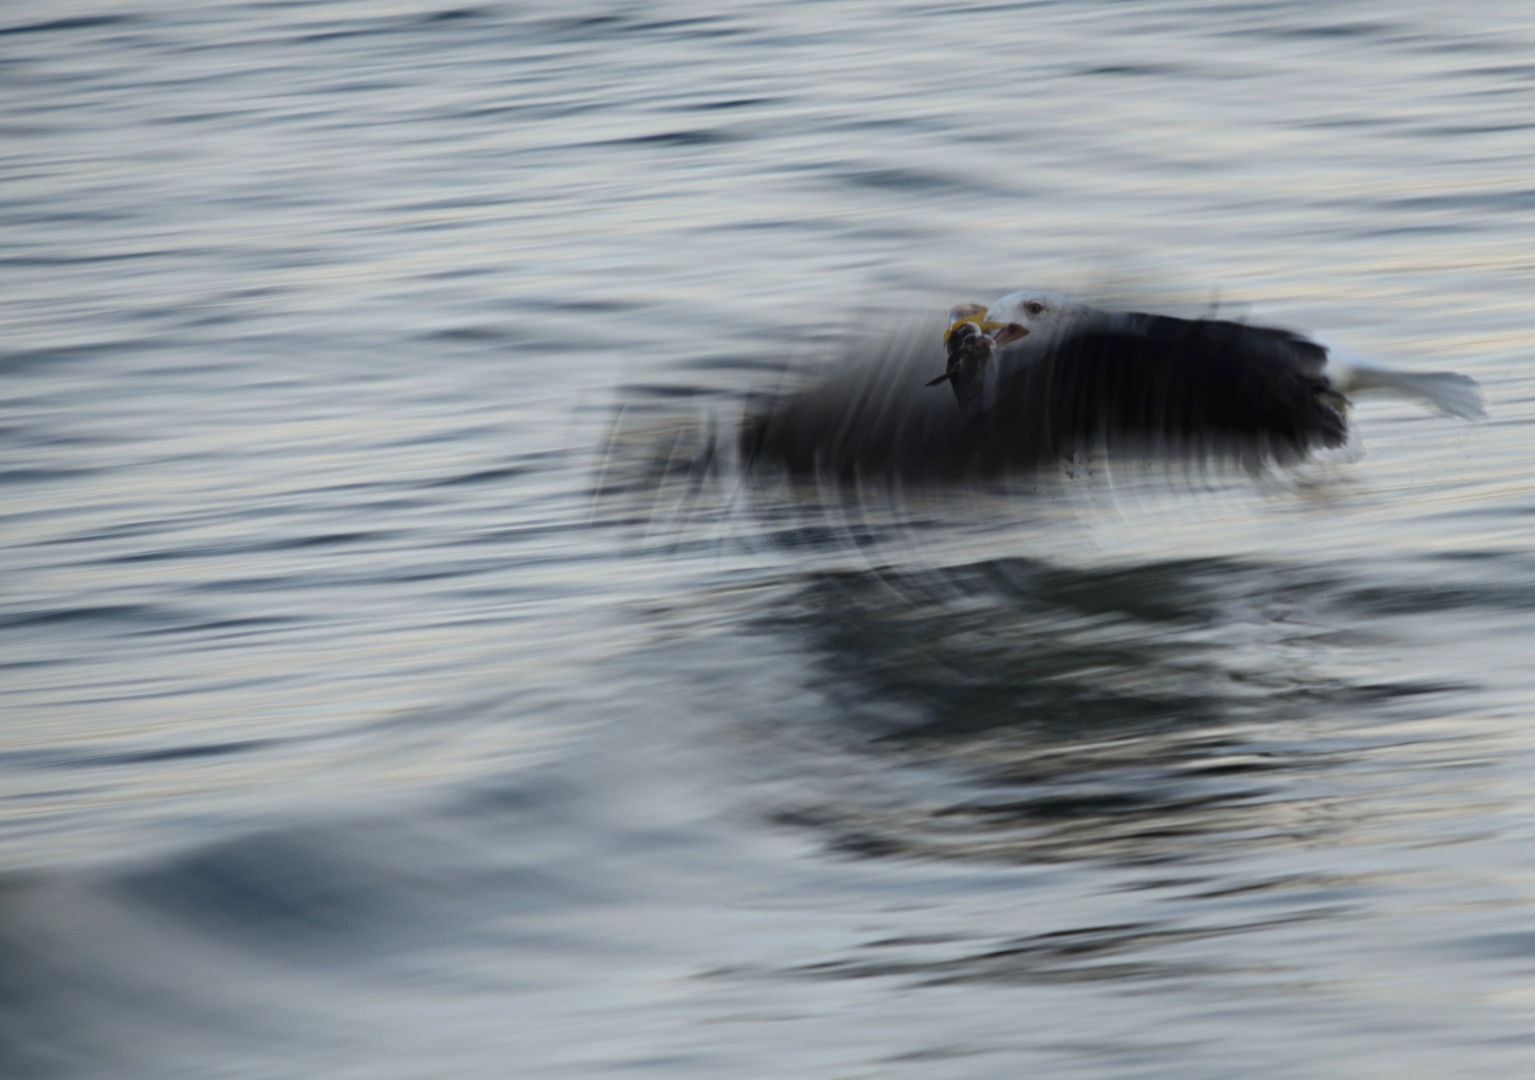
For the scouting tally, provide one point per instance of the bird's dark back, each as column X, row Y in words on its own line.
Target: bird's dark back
column 1142, row 385
column 1158, row 383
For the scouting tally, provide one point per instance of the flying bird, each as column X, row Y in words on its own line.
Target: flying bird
column 1039, row 378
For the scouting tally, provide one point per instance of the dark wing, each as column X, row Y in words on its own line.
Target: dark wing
column 1145, row 385
column 1157, row 384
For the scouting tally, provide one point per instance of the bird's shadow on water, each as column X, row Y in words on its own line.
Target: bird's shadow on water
column 1021, row 711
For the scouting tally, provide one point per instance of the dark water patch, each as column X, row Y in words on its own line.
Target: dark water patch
column 462, row 202
column 38, row 664
column 79, row 22
column 1345, row 123
column 1134, row 70
column 42, row 476
column 1450, row 131
column 1391, row 232
column 134, row 617
column 39, row 1036
column 1507, row 947
column 454, row 15
column 40, row 216
column 322, row 540
column 750, row 225
column 668, row 392
column 525, row 110
column 1317, row 888
column 684, row 138
column 227, row 628
column 696, row 28
column 367, row 86
column 360, row 29
column 1471, row 555
column 286, row 580
column 1155, row 823
column 28, row 360
column 1516, row 200
column 1079, row 805
column 483, row 476
column 1178, row 591
column 1132, row 804
column 121, row 531
column 756, row 365
column 724, row 104
column 902, row 179
column 176, row 753
column 1362, row 30
column 584, row 305
column 33, row 261
column 1521, row 71
column 1021, row 711
column 304, row 894
column 1013, row 642
column 1122, row 953
column 1338, row 30
column 246, row 547
column 1417, row 599
column 578, row 26
column 88, row 989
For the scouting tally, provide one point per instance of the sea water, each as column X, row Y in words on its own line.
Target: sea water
column 375, row 706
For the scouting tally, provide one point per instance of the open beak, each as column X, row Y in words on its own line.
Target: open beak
column 1001, row 332
column 1008, row 332
column 981, row 324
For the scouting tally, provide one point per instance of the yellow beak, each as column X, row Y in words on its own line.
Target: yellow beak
column 979, row 320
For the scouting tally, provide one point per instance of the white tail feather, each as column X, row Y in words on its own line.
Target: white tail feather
column 1451, row 394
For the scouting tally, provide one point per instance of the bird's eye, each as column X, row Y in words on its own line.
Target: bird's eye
column 1034, row 307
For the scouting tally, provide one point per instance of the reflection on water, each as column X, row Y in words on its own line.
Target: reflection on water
column 1130, row 713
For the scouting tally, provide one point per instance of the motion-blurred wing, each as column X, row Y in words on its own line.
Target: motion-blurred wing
column 1156, row 383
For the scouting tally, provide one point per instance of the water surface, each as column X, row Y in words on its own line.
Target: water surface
column 370, row 711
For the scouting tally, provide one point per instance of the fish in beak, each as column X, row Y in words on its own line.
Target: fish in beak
column 971, row 340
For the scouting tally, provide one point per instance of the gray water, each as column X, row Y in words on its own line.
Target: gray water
column 369, row 710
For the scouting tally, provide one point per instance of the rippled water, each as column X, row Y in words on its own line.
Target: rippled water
column 371, row 711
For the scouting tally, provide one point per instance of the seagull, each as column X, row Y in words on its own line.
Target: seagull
column 1040, row 379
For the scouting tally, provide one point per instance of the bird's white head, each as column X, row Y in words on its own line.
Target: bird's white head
column 1047, row 316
